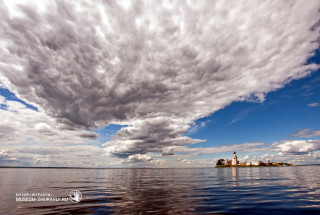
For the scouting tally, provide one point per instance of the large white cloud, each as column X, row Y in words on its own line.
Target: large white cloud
column 66, row 155
column 22, row 125
column 293, row 158
column 297, row 146
column 155, row 66
column 289, row 151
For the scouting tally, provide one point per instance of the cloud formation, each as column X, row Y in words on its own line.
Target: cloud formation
column 156, row 66
column 6, row 158
column 297, row 146
column 22, row 125
column 65, row 155
column 138, row 158
column 248, row 147
column 313, row 104
column 293, row 158
column 307, row 133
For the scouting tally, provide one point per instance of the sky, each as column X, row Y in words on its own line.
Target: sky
column 158, row 83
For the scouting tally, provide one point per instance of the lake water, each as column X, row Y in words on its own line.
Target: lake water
column 265, row 190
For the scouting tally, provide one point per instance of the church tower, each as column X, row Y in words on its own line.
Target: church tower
column 235, row 159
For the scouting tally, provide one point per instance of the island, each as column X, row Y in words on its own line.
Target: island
column 221, row 163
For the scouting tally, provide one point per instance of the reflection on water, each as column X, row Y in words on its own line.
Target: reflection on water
column 235, row 176
column 267, row 190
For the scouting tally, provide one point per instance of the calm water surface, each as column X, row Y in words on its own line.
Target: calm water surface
column 265, row 190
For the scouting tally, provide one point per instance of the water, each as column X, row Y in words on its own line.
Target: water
column 265, row 190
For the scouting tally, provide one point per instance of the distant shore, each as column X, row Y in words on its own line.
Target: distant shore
column 255, row 166
column 261, row 164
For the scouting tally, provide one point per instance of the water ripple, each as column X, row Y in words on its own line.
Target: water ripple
column 283, row 190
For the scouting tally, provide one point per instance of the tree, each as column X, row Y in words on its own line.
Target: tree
column 220, row 162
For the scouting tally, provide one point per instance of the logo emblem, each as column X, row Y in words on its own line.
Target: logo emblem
column 75, row 196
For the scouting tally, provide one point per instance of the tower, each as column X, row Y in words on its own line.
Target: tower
column 235, row 159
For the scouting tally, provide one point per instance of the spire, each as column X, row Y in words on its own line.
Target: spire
column 234, row 158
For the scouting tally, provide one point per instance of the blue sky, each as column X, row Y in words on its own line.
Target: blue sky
column 11, row 97
column 282, row 114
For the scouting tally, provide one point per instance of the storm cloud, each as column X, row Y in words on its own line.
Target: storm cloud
column 155, row 66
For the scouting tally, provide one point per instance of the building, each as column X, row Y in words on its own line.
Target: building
column 252, row 163
column 235, row 159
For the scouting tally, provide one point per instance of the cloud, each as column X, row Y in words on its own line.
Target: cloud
column 32, row 138
column 247, row 147
column 307, row 133
column 197, row 126
column 65, row 155
column 6, row 158
column 154, row 66
column 313, row 104
column 297, row 146
column 43, row 127
column 245, row 158
column 242, row 115
column 293, row 158
column 290, row 151
column 89, row 135
column 168, row 151
column 21, row 125
column 149, row 135
column 138, row 158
